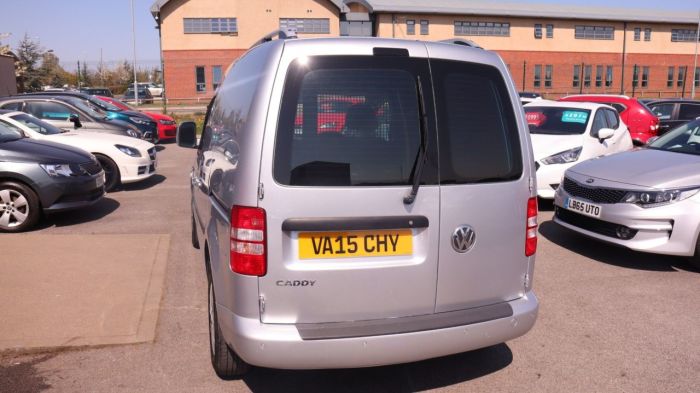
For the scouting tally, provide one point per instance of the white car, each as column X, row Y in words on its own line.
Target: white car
column 124, row 159
column 154, row 89
column 566, row 133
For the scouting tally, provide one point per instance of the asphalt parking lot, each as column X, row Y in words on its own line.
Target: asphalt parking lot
column 610, row 320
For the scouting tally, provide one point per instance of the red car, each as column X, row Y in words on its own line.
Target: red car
column 331, row 113
column 641, row 123
column 167, row 127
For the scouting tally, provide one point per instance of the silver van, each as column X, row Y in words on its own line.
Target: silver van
column 362, row 202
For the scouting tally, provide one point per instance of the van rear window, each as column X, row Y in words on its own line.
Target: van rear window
column 347, row 123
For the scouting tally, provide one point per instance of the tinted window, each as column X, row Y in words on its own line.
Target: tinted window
column 557, row 121
column 12, row 106
column 350, row 121
column 613, row 119
column 49, row 110
column 683, row 139
column 37, row 125
column 662, row 111
column 599, row 121
column 9, row 132
column 478, row 134
column 689, row 112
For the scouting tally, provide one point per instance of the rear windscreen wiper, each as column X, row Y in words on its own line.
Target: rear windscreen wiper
column 422, row 155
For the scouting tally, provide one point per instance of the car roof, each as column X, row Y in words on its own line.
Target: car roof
column 609, row 97
column 567, row 104
column 58, row 94
column 673, row 101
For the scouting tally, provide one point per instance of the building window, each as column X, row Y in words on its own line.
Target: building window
column 577, row 76
column 681, row 76
column 550, row 31
column 647, row 34
column 697, row 77
column 306, row 25
column 587, row 76
column 215, row 77
column 635, row 76
column 582, row 32
column 608, row 76
column 645, row 76
column 683, row 35
column 424, row 25
column 410, row 27
column 599, row 76
column 201, row 80
column 548, row 76
column 538, row 31
column 538, row 76
column 211, row 26
column 669, row 80
column 482, row 28
column 637, row 33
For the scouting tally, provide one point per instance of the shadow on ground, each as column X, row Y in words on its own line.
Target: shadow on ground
column 142, row 185
column 418, row 376
column 102, row 208
column 21, row 377
column 610, row 253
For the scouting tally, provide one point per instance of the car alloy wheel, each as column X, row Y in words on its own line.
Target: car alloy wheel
column 14, row 209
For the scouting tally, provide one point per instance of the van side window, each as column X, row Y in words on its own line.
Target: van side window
column 349, row 123
column 479, row 140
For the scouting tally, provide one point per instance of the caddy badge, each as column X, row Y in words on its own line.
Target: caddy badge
column 463, row 239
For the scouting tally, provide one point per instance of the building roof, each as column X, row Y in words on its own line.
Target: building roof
column 535, row 10
column 521, row 9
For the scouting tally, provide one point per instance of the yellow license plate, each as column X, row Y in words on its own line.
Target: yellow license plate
column 355, row 244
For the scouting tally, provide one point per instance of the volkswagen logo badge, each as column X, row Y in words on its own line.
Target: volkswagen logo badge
column 589, row 181
column 463, row 239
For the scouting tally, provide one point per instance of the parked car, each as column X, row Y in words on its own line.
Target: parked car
column 675, row 112
column 304, row 231
column 167, row 127
column 144, row 96
column 146, row 126
column 38, row 177
column 124, row 159
column 630, row 200
column 155, row 89
column 97, row 91
column 641, row 122
column 67, row 114
column 566, row 133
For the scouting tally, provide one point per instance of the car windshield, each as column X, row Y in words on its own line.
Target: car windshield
column 36, row 124
column 557, row 120
column 9, row 132
column 683, row 139
column 103, row 105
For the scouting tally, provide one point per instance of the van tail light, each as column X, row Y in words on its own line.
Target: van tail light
column 531, row 227
column 248, row 241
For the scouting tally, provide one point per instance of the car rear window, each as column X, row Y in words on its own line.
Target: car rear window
column 348, row 121
column 557, row 121
column 477, row 131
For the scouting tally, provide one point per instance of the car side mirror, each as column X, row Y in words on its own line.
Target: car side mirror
column 187, row 134
column 75, row 119
column 605, row 133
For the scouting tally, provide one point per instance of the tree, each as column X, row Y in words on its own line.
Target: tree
column 51, row 72
column 28, row 53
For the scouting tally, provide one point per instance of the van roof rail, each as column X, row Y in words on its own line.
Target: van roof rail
column 282, row 34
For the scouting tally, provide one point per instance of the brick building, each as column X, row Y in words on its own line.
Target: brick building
column 552, row 49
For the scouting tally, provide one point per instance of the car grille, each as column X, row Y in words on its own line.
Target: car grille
column 595, row 225
column 92, row 167
column 152, row 153
column 593, row 194
column 82, row 196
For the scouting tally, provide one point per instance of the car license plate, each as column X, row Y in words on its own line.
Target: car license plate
column 355, row 244
column 582, row 207
column 100, row 181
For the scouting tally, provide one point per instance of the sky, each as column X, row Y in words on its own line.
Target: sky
column 79, row 29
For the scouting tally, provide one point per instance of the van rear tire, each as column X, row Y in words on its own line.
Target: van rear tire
column 695, row 259
column 227, row 364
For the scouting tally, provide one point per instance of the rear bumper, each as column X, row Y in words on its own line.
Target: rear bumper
column 281, row 346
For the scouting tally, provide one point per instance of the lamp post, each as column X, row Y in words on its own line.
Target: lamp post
column 133, row 37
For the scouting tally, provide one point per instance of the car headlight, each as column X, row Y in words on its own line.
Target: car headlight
column 564, row 157
column 139, row 120
column 129, row 151
column 132, row 133
column 648, row 199
column 166, row 122
column 62, row 170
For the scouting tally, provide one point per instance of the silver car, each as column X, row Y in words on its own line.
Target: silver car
column 362, row 202
column 645, row 199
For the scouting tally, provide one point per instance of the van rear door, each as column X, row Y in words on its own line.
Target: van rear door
column 341, row 244
column 483, row 186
